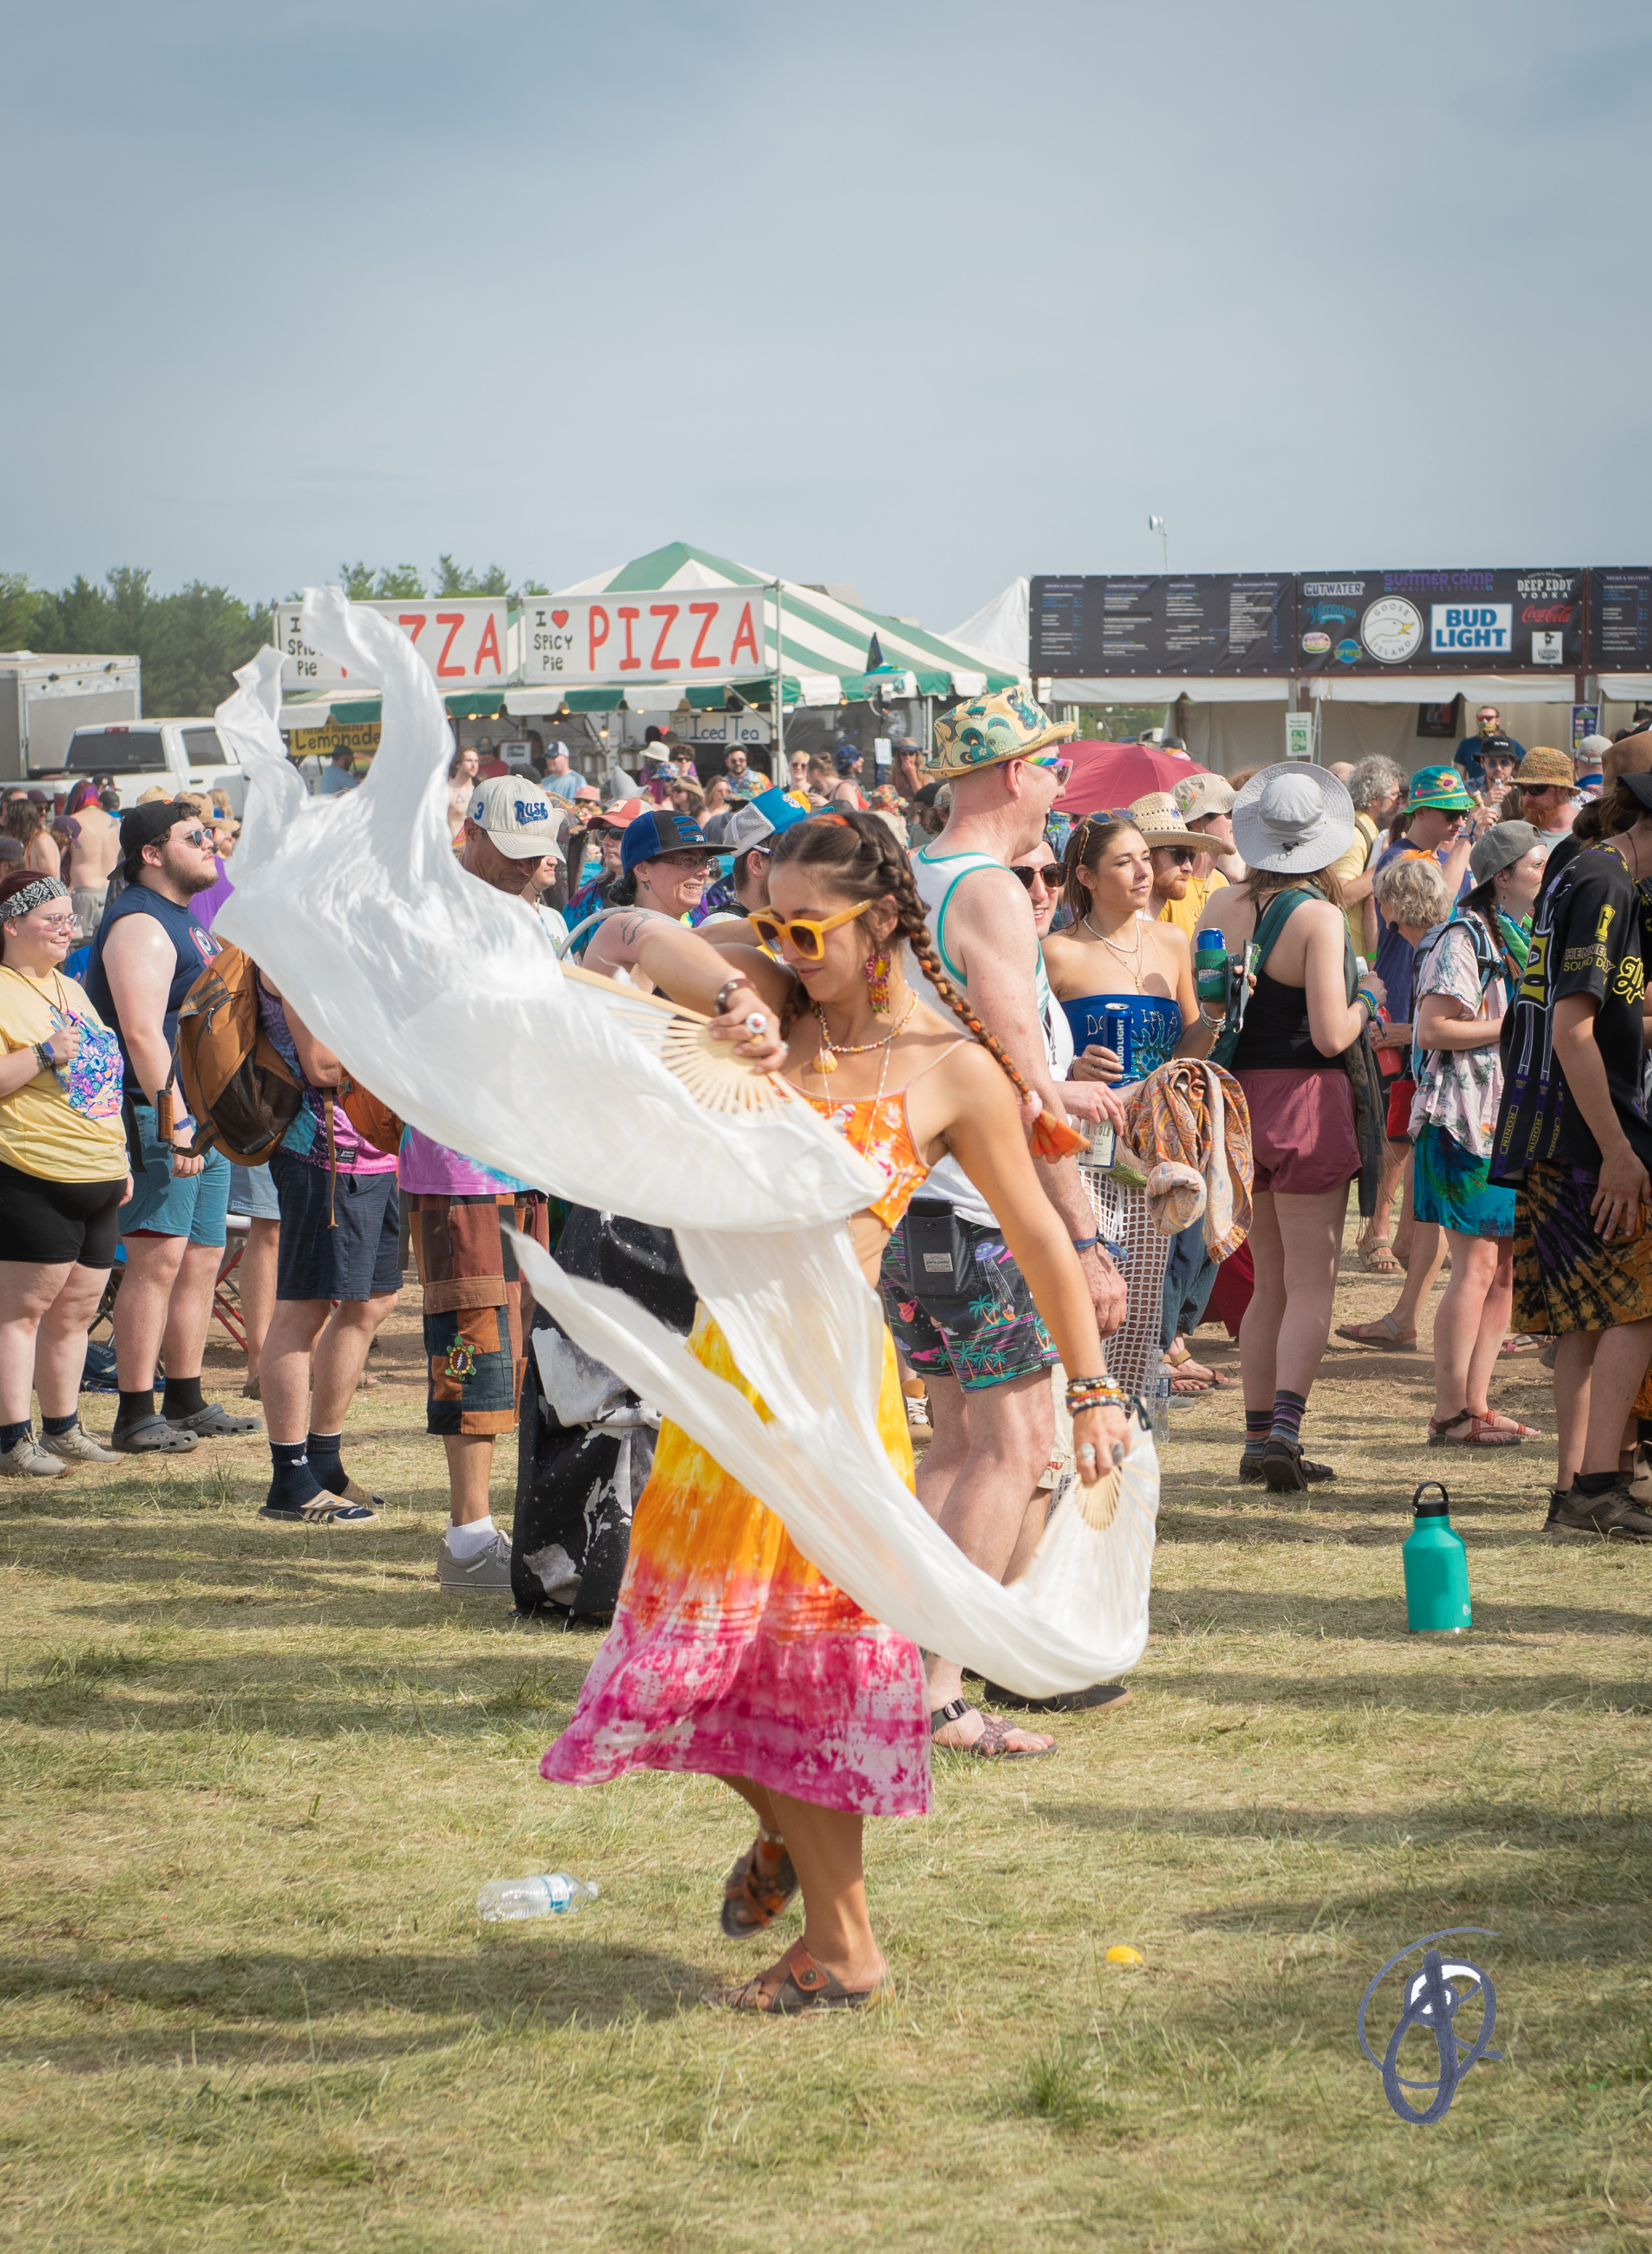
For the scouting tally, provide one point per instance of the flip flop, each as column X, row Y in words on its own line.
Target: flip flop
column 1384, row 1330
column 1519, row 1345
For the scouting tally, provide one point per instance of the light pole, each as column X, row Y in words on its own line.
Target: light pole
column 1157, row 524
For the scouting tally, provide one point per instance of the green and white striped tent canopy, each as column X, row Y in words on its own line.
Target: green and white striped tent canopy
column 824, row 642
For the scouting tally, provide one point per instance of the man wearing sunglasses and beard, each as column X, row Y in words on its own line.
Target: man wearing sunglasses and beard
column 150, row 949
column 1179, row 892
column 985, row 1356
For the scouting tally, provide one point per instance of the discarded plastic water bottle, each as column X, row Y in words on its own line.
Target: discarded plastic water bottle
column 1161, row 1405
column 554, row 1894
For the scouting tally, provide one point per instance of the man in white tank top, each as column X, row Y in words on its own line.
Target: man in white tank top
column 984, row 1353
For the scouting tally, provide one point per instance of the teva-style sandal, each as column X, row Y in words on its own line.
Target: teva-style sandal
column 1383, row 1331
column 1379, row 1260
column 1251, row 1474
column 1190, row 1367
column 753, row 1898
column 797, row 1983
column 993, row 1742
column 1494, row 1421
column 1464, row 1430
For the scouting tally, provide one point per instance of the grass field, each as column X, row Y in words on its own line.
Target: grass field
column 253, row 1779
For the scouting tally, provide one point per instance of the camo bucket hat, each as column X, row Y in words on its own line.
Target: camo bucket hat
column 989, row 730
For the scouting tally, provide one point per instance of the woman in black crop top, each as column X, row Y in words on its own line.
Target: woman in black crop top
column 1291, row 823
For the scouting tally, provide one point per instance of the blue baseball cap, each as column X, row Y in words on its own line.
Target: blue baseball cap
column 762, row 816
column 657, row 829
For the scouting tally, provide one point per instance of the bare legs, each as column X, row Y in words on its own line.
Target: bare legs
column 980, row 1480
column 256, row 1278
column 1472, row 1321
column 163, row 1308
column 1597, row 1376
column 339, row 1339
column 825, row 1845
column 469, row 1466
column 43, row 1314
column 1294, row 1244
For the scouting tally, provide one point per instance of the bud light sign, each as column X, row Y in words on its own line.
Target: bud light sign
column 1480, row 629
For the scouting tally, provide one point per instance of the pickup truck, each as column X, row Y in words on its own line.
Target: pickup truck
column 138, row 755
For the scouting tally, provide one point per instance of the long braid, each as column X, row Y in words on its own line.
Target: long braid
column 869, row 860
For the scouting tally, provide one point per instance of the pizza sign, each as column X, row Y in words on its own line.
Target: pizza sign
column 682, row 633
column 461, row 639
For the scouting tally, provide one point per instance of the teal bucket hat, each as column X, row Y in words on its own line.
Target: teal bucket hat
column 1441, row 788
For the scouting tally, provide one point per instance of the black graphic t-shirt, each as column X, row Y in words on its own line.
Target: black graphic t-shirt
column 1587, row 939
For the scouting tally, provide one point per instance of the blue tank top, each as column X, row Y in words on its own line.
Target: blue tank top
column 1155, row 1028
column 193, row 947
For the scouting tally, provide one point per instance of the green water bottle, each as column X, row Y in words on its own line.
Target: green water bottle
column 1436, row 1569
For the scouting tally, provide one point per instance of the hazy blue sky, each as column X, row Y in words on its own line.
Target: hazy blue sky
column 915, row 296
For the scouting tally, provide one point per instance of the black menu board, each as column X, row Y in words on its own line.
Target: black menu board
column 1620, row 619
column 1197, row 623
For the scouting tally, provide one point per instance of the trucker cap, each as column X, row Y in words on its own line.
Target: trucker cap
column 760, row 817
column 146, row 823
column 517, row 816
column 659, row 830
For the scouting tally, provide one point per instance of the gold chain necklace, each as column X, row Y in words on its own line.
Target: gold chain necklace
column 826, row 1058
column 1123, row 953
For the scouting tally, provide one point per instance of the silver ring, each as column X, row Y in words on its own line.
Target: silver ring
column 1086, row 1451
column 755, row 1023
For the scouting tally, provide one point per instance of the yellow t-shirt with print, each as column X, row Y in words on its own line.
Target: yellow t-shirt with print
column 63, row 1125
column 1186, row 912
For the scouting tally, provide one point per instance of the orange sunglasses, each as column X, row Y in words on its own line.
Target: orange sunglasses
column 806, row 933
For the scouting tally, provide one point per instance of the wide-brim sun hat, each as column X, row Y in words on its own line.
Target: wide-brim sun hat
column 1292, row 817
column 990, row 730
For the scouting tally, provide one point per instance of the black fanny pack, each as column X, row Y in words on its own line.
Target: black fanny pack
column 941, row 1262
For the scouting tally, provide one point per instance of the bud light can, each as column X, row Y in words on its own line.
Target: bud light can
column 1115, row 1034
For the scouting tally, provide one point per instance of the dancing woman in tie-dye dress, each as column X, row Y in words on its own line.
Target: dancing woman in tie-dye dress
column 729, row 1655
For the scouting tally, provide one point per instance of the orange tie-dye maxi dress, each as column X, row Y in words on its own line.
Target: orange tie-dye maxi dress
column 730, row 1654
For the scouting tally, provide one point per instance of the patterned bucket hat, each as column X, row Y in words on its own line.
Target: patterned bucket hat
column 989, row 730
column 1441, row 788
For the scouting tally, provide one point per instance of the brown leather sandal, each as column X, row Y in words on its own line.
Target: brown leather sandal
column 752, row 1898
column 993, row 1742
column 797, row 1983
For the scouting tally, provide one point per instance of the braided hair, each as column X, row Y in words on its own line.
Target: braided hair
column 862, row 858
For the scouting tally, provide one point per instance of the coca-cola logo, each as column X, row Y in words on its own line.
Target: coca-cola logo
column 1556, row 614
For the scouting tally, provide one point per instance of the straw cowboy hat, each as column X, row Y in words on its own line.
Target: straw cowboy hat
column 989, row 730
column 1161, row 823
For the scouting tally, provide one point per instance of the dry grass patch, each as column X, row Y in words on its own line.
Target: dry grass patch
column 253, row 1778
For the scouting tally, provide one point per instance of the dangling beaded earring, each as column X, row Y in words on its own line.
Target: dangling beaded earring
column 875, row 970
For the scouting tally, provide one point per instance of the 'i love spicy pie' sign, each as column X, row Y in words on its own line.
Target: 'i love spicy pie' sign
column 684, row 633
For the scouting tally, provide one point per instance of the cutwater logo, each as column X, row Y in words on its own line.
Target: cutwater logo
column 1431, row 2003
column 1472, row 626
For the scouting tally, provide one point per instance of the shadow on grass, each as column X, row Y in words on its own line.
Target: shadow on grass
column 1377, row 1620
column 254, row 2005
column 1518, row 1823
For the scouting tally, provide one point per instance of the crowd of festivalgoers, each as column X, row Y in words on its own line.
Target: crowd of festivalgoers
column 1436, row 997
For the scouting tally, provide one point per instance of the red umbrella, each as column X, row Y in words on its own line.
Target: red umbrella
column 1116, row 775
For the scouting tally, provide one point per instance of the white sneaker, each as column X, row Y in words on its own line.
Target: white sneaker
column 77, row 1446
column 30, row 1460
column 488, row 1572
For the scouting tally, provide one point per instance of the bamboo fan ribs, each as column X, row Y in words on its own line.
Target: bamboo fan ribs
column 714, row 1075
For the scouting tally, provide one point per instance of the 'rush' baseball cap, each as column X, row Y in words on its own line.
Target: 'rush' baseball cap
column 517, row 816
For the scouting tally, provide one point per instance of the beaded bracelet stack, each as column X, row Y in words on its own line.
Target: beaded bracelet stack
column 1092, row 1393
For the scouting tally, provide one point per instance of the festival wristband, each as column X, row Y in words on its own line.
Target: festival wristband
column 1087, row 1244
column 44, row 1057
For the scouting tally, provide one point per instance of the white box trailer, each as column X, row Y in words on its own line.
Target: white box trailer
column 44, row 699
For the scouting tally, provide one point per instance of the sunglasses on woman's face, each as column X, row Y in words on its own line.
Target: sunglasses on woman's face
column 806, row 934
